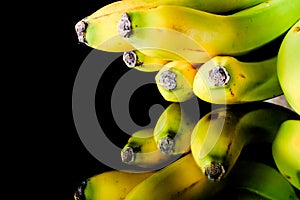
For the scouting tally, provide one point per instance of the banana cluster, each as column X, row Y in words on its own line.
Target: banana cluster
column 236, row 54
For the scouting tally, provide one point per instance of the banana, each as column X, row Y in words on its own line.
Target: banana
column 181, row 179
column 201, row 35
column 99, row 30
column 141, row 150
column 250, row 178
column 286, row 151
column 212, row 6
column 219, row 137
column 288, row 67
column 173, row 130
column 226, row 80
column 112, row 185
column 137, row 60
column 175, row 81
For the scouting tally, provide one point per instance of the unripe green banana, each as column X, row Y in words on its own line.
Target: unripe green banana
column 197, row 32
column 288, row 67
column 219, row 137
column 181, row 179
column 112, row 185
column 226, row 80
column 212, row 6
column 286, row 151
column 255, row 179
column 175, row 81
column 141, row 150
column 137, row 60
column 173, row 130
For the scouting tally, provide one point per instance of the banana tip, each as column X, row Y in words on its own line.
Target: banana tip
column 127, row 155
column 215, row 171
column 131, row 59
column 166, row 145
column 168, row 80
column 80, row 29
column 218, row 76
column 124, row 26
column 79, row 193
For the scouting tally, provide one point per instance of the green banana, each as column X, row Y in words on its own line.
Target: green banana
column 288, row 67
column 112, row 185
column 137, row 60
column 173, row 130
column 212, row 6
column 141, row 150
column 286, row 151
column 226, row 80
column 198, row 33
column 181, row 179
column 250, row 178
column 175, row 81
column 219, row 137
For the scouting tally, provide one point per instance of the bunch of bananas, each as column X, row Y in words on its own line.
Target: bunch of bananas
column 235, row 54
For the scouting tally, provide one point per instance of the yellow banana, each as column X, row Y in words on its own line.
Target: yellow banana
column 286, row 151
column 141, row 150
column 175, row 81
column 212, row 6
column 173, row 130
column 181, row 179
column 288, row 67
column 137, row 60
column 256, row 179
column 112, row 185
column 197, row 32
column 219, row 137
column 226, row 80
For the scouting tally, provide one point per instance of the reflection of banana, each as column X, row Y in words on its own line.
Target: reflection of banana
column 137, row 60
column 175, row 81
column 173, row 130
column 286, row 151
column 288, row 67
column 197, row 32
column 181, row 179
column 141, row 150
column 226, row 80
column 219, row 137
column 250, row 178
column 112, row 185
column 212, row 6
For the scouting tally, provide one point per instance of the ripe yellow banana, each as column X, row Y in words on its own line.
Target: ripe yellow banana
column 112, row 185
column 288, row 67
column 197, row 32
column 173, row 130
column 181, row 179
column 141, row 150
column 226, row 80
column 286, row 151
column 219, row 137
column 212, row 6
column 175, row 81
column 250, row 178
column 137, row 60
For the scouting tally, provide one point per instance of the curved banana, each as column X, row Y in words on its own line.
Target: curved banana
column 288, row 67
column 286, row 151
column 141, row 150
column 99, row 30
column 197, row 32
column 219, row 137
column 137, row 60
column 226, row 80
column 175, row 81
column 212, row 6
column 250, row 178
column 181, row 179
column 112, row 185
column 173, row 130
